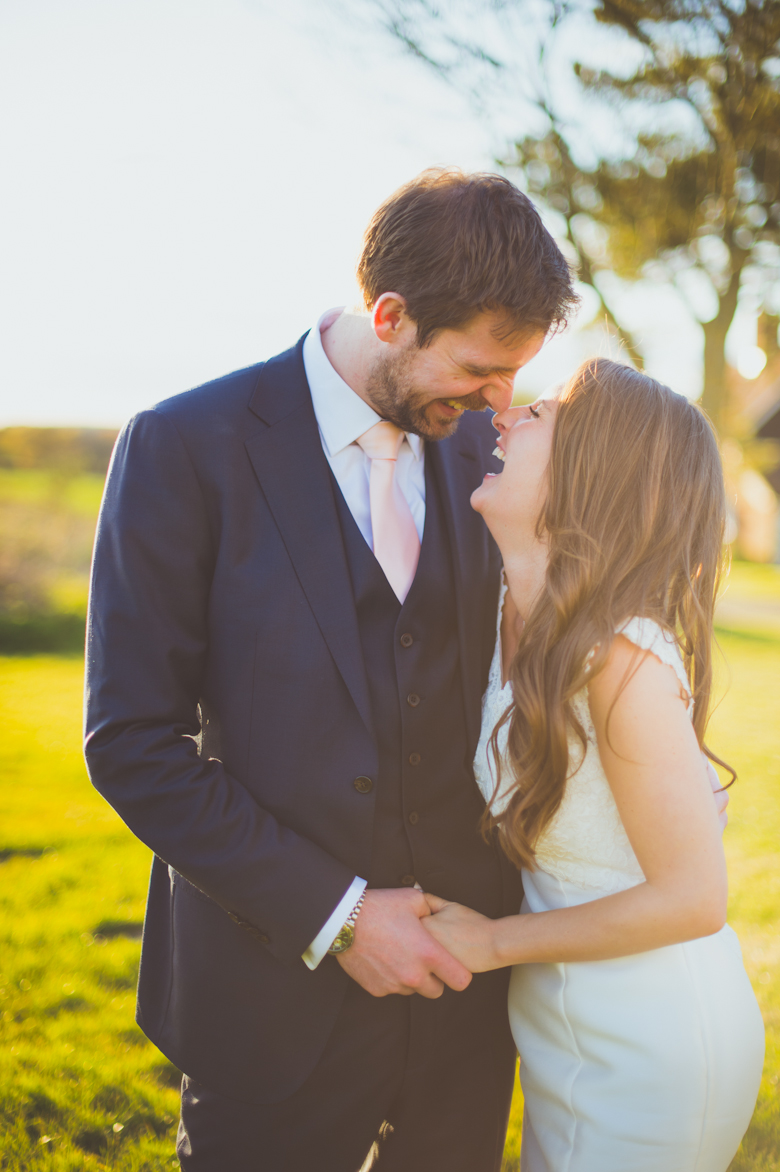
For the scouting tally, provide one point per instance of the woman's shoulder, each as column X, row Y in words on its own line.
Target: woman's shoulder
column 647, row 635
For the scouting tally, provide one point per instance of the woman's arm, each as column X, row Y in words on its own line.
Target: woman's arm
column 660, row 784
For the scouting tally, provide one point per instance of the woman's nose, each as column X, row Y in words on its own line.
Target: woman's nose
column 506, row 419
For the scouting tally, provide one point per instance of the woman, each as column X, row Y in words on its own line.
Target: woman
column 640, row 1039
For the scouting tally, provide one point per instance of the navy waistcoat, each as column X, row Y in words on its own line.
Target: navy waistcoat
column 427, row 804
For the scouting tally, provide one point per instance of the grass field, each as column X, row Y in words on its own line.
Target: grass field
column 80, row 1087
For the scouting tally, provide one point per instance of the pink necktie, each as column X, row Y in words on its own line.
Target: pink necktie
column 396, row 544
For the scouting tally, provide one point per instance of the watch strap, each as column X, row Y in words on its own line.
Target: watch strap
column 346, row 936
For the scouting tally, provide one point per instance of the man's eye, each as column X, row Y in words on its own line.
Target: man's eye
column 535, row 412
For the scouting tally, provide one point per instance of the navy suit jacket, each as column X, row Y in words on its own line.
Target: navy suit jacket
column 228, row 713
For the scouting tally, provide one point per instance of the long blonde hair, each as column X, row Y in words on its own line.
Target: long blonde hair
column 634, row 521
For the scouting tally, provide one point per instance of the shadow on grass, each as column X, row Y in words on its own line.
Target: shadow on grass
column 22, row 852
column 167, row 1075
column 132, row 929
column 58, row 634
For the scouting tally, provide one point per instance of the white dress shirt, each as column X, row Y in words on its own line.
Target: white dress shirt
column 342, row 416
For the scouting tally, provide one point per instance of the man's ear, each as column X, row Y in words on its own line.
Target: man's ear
column 391, row 320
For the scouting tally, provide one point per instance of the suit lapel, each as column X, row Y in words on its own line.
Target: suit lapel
column 291, row 467
column 456, row 465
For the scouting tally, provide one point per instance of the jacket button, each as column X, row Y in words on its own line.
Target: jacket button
column 414, row 758
column 261, row 937
column 414, row 818
column 412, row 699
column 407, row 880
column 363, row 785
column 406, row 640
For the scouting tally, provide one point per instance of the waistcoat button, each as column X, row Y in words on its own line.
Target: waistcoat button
column 414, row 758
column 414, row 818
column 363, row 785
column 407, row 880
column 406, row 640
column 412, row 699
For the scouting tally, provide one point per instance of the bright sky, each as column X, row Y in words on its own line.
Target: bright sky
column 185, row 187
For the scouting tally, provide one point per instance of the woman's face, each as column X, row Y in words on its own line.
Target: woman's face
column 511, row 501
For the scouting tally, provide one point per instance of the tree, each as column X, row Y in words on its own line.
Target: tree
column 699, row 204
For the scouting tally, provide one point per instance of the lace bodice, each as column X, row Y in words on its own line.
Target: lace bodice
column 585, row 843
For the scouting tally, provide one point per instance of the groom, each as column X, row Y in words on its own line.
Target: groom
column 292, row 616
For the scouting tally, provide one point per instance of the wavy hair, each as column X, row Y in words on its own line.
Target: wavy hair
column 634, row 522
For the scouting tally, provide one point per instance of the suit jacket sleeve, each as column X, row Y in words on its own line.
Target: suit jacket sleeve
column 147, row 638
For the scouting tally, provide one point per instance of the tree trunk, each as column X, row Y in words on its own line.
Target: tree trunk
column 714, row 398
column 587, row 276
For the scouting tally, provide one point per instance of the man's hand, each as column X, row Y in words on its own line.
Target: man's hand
column 721, row 795
column 392, row 952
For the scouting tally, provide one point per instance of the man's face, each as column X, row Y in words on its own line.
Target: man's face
column 425, row 391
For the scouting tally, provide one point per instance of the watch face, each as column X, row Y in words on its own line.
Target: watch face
column 343, row 940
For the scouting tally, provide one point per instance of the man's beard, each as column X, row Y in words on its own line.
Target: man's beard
column 391, row 391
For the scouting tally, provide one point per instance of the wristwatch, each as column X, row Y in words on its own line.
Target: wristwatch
column 346, row 936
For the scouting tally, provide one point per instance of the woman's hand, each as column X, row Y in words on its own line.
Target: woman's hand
column 466, row 935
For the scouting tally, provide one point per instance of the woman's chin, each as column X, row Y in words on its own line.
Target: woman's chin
column 480, row 496
column 476, row 498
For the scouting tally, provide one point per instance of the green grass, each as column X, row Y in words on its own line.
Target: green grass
column 80, row 493
column 81, row 1088
column 746, row 732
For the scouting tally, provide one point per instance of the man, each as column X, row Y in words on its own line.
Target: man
column 292, row 617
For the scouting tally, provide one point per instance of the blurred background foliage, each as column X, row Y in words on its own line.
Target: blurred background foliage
column 649, row 135
column 688, row 189
column 51, row 481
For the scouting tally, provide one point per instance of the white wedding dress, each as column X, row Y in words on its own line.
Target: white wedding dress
column 648, row 1063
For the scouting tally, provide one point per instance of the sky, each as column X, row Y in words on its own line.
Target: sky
column 186, row 183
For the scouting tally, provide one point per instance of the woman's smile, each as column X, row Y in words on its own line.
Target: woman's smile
column 511, row 501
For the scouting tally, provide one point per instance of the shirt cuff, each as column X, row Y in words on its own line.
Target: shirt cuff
column 330, row 930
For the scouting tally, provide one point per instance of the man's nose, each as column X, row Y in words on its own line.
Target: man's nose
column 498, row 397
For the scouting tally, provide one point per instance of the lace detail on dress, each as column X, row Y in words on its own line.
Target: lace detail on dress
column 585, row 843
column 650, row 636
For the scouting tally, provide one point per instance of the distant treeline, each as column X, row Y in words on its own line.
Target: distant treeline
column 70, row 450
column 50, row 484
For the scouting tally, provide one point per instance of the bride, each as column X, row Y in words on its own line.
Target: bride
column 640, row 1040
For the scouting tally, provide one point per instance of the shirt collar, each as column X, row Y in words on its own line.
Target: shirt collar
column 342, row 416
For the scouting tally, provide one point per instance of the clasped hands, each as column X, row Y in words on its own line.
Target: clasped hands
column 392, row 951
column 408, row 942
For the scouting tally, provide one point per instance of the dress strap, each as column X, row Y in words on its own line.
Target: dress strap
column 651, row 636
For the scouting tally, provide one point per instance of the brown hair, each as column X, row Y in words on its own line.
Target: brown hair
column 453, row 245
column 634, row 521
